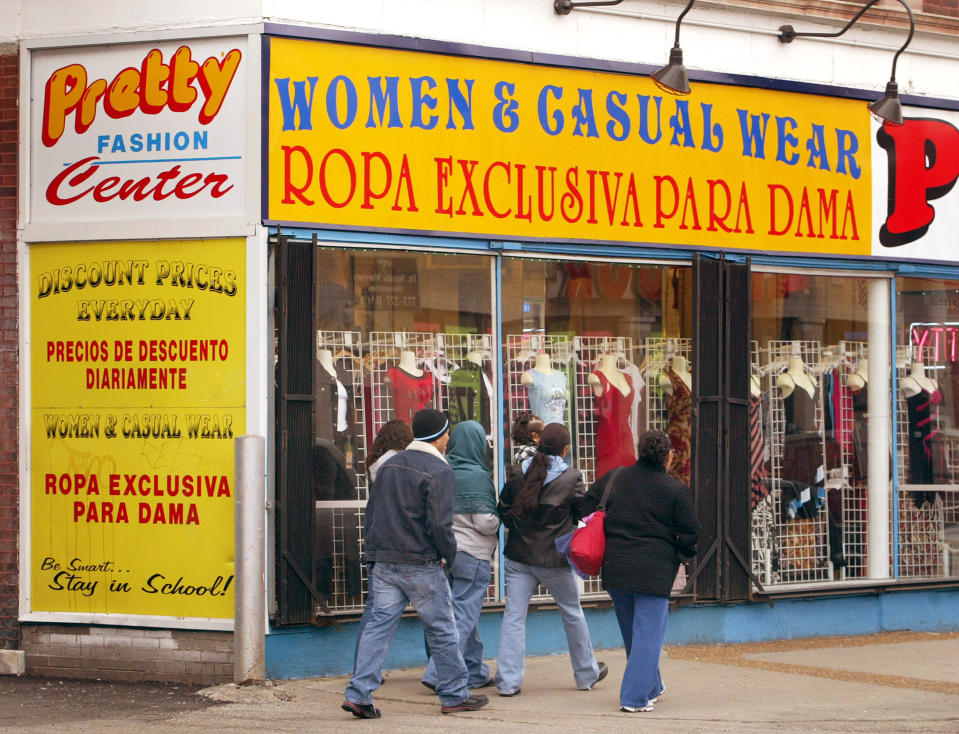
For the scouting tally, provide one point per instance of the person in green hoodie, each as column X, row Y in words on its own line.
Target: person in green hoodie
column 476, row 527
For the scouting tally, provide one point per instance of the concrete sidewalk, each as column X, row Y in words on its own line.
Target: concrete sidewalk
column 893, row 682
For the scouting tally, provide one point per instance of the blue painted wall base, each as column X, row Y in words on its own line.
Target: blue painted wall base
column 309, row 652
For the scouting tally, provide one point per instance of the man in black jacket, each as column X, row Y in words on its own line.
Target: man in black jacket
column 409, row 538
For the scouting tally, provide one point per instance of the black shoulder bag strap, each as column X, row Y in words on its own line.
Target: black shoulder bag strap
column 609, row 486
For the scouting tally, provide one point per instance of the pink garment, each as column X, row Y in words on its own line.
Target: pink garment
column 614, row 437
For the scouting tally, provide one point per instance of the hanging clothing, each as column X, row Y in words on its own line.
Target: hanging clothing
column 548, row 395
column 614, row 437
column 469, row 400
column 636, row 416
column 802, row 444
column 410, row 392
column 334, row 417
column 925, row 456
column 679, row 426
column 757, row 452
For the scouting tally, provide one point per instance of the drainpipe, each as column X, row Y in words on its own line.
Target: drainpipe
column 249, row 627
column 879, row 420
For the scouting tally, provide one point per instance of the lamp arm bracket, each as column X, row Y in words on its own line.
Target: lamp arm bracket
column 565, row 7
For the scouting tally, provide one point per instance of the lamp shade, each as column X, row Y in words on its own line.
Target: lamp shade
column 887, row 108
column 672, row 78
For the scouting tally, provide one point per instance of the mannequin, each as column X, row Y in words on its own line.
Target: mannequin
column 475, row 357
column 325, row 358
column 542, row 365
column 857, row 379
column 547, row 389
column 755, row 388
column 795, row 377
column 607, row 365
column 408, row 364
column 917, row 381
column 680, row 367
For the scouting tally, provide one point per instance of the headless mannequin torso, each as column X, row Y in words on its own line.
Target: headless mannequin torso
column 542, row 365
column 917, row 381
column 857, row 379
column 607, row 365
column 325, row 358
column 408, row 364
column 795, row 377
column 680, row 366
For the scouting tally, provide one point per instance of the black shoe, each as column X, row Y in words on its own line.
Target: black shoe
column 489, row 682
column 514, row 693
column 603, row 672
column 429, row 685
column 361, row 710
column 475, row 702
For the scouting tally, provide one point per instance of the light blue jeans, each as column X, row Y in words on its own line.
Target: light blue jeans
column 521, row 580
column 469, row 580
column 642, row 621
column 393, row 586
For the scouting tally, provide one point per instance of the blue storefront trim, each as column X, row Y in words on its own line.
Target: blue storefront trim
column 309, row 652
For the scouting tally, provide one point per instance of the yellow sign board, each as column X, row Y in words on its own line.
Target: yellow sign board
column 385, row 138
column 138, row 389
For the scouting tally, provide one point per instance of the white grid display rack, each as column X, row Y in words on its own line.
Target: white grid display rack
column 342, row 520
column 762, row 515
column 853, row 493
column 922, row 548
column 384, row 352
column 799, row 546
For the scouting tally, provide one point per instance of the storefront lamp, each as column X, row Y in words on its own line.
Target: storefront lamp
column 672, row 78
column 886, row 109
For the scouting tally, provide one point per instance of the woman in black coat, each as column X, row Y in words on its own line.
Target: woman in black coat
column 651, row 527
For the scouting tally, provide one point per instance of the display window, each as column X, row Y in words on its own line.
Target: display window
column 927, row 408
column 808, row 462
column 396, row 331
column 603, row 348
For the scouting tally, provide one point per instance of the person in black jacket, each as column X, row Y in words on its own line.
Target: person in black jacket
column 651, row 527
column 537, row 506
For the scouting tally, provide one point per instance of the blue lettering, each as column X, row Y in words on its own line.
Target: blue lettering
column 332, row 102
column 384, row 99
column 118, row 146
column 816, row 145
column 181, row 141
column 754, row 137
column 462, row 103
column 103, row 141
column 200, row 139
column 681, row 125
column 299, row 105
column 421, row 100
column 557, row 116
column 848, row 145
column 504, row 113
column 618, row 127
column 153, row 141
column 786, row 138
column 136, row 143
column 644, row 118
column 710, row 131
column 583, row 114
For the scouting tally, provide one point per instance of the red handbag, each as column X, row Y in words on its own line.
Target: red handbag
column 588, row 544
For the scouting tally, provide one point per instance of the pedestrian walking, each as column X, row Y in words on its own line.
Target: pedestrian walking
column 651, row 527
column 409, row 540
column 537, row 507
column 476, row 526
column 525, row 436
column 393, row 437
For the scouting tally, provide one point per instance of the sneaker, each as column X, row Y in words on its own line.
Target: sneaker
column 655, row 698
column 603, row 672
column 489, row 682
column 429, row 685
column 636, row 709
column 513, row 693
column 361, row 710
column 475, row 702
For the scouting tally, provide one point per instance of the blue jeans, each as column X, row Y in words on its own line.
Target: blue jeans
column 521, row 580
column 642, row 621
column 393, row 586
column 469, row 580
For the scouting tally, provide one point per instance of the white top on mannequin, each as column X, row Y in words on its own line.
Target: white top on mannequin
column 795, row 377
column 408, row 364
column 755, row 387
column 681, row 367
column 917, row 381
column 325, row 358
column 607, row 365
column 857, row 379
column 542, row 365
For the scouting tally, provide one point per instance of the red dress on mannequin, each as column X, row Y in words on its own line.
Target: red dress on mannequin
column 410, row 393
column 614, row 437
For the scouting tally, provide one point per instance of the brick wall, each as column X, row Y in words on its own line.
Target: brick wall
column 9, row 472
column 127, row 653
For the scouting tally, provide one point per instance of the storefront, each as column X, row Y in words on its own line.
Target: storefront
column 758, row 269
column 486, row 235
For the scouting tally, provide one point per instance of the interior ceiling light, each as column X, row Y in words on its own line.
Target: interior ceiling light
column 886, row 109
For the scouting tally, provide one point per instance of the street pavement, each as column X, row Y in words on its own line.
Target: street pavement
column 890, row 682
